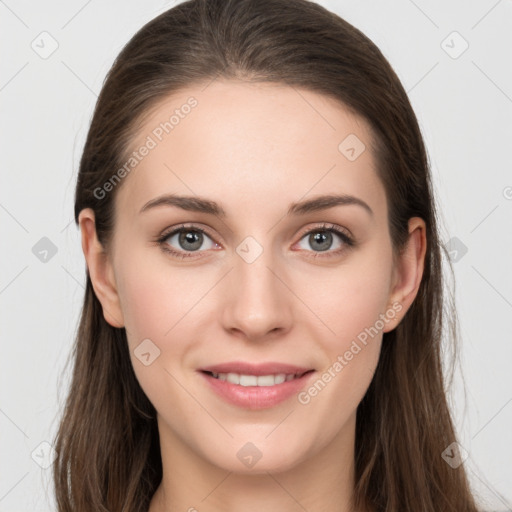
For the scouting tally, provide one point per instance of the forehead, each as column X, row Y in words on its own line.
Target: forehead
column 251, row 144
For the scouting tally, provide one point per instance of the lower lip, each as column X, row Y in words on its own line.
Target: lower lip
column 256, row 397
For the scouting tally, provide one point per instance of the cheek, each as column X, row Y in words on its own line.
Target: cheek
column 350, row 307
column 160, row 303
column 352, row 303
column 155, row 310
column 350, row 299
column 155, row 296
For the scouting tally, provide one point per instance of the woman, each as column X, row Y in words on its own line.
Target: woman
column 263, row 315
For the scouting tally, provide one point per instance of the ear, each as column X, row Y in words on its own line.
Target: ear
column 408, row 271
column 100, row 269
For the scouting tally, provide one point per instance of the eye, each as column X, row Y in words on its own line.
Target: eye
column 330, row 239
column 185, row 240
column 189, row 241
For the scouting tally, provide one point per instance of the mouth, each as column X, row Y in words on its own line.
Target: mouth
column 247, row 380
column 251, row 386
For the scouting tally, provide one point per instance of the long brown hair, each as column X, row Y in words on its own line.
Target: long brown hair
column 107, row 443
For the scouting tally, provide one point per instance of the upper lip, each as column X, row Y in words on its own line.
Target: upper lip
column 243, row 368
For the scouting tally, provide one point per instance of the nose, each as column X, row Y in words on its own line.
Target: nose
column 257, row 304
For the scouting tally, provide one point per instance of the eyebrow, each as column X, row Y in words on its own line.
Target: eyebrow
column 203, row 205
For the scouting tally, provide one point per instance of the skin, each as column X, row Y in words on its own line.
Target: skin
column 254, row 149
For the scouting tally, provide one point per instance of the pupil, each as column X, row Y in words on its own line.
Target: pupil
column 325, row 239
column 194, row 238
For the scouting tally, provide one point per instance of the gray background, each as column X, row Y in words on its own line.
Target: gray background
column 463, row 100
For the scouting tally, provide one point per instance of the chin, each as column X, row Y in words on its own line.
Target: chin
column 259, row 458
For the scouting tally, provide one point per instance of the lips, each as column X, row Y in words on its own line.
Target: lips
column 256, row 369
column 254, row 380
column 255, row 386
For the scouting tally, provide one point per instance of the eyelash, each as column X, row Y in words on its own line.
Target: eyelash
column 348, row 241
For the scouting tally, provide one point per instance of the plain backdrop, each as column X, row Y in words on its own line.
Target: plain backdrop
column 454, row 60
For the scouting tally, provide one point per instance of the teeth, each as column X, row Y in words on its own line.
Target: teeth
column 254, row 380
column 248, row 380
column 233, row 378
column 279, row 378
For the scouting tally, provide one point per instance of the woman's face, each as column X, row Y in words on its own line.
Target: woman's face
column 267, row 289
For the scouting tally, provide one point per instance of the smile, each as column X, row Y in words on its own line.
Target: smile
column 255, row 380
column 255, row 387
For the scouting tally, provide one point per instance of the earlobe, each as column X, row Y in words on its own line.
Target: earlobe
column 408, row 271
column 100, row 269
